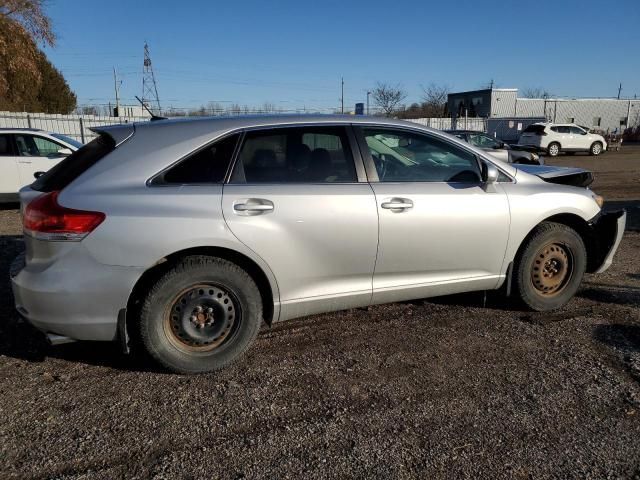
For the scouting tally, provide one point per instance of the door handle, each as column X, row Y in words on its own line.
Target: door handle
column 243, row 207
column 397, row 204
column 253, row 206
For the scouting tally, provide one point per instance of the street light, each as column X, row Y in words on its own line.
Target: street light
column 368, row 93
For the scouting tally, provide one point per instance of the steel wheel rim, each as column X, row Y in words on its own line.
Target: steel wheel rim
column 201, row 318
column 551, row 270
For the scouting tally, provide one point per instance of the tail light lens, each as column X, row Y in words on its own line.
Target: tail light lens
column 45, row 219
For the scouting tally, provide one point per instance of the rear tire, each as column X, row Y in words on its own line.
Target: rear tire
column 596, row 149
column 550, row 267
column 553, row 149
column 201, row 315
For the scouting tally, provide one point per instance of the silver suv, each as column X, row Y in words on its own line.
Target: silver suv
column 188, row 234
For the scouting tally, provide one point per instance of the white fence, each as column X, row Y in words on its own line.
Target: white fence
column 462, row 123
column 74, row 126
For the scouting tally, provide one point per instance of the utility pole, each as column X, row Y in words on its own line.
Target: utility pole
column 116, row 86
column 619, row 90
column 368, row 93
column 342, row 95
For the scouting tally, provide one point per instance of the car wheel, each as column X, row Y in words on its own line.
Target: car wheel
column 201, row 315
column 596, row 148
column 550, row 267
column 553, row 149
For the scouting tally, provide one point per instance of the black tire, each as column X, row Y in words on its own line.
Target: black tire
column 595, row 149
column 206, row 341
column 553, row 149
column 540, row 278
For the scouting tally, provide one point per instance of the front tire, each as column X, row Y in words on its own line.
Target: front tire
column 596, row 149
column 201, row 315
column 553, row 149
column 550, row 267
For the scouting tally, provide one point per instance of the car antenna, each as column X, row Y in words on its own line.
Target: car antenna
column 153, row 115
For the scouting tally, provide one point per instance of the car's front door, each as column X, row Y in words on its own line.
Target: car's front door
column 441, row 229
column 579, row 139
column 9, row 176
column 298, row 197
column 36, row 154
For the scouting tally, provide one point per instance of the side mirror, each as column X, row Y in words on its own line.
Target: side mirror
column 489, row 173
column 37, row 175
column 65, row 151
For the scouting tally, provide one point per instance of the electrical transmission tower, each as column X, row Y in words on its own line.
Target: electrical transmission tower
column 149, row 88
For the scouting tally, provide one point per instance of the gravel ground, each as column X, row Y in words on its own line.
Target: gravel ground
column 432, row 389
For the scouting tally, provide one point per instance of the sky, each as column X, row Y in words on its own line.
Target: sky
column 293, row 53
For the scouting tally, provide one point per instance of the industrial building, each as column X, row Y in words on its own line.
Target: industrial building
column 606, row 114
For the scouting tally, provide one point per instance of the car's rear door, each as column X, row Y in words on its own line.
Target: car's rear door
column 441, row 229
column 298, row 197
column 9, row 176
column 36, row 154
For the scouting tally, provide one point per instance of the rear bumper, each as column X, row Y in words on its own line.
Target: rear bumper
column 75, row 296
column 608, row 230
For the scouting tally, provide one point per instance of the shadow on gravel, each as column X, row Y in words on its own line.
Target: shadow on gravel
column 20, row 340
column 624, row 339
column 615, row 294
column 9, row 206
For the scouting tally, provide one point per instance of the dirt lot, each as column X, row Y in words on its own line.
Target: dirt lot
column 432, row 389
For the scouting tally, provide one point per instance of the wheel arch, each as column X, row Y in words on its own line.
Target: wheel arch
column 575, row 222
column 152, row 274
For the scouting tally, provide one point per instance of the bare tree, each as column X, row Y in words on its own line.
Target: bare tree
column 388, row 97
column 434, row 100
column 534, row 92
column 30, row 15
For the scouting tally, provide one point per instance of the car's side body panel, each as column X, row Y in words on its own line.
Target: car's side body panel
column 323, row 247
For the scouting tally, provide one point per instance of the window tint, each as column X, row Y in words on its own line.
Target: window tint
column 560, row 129
column 207, row 165
column 576, row 131
column 401, row 156
column 33, row 146
column 6, row 150
column 65, row 172
column 296, row 155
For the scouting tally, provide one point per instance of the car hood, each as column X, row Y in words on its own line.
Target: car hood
column 577, row 177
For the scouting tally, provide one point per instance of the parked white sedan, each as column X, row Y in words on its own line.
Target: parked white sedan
column 24, row 152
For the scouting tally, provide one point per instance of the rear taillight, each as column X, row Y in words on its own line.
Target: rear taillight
column 45, row 219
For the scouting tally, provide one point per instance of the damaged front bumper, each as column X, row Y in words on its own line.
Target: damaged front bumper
column 608, row 229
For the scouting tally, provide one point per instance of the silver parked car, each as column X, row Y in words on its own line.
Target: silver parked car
column 187, row 234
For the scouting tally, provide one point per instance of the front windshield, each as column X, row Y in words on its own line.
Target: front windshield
column 68, row 140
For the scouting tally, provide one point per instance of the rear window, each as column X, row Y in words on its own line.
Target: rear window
column 536, row 129
column 65, row 172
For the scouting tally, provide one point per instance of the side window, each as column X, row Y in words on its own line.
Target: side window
column 32, row 146
column 295, row 155
column 482, row 141
column 401, row 156
column 207, row 165
column 6, row 149
column 576, row 131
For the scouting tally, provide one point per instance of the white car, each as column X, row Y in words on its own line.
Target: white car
column 24, row 153
column 554, row 138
